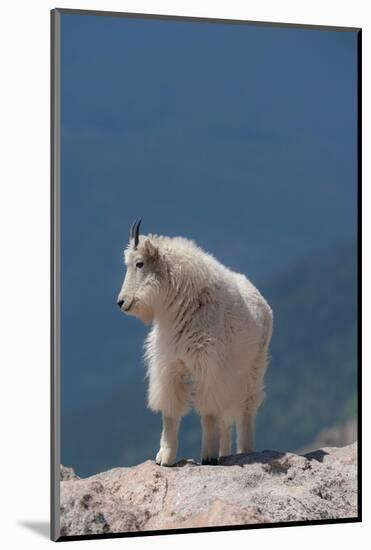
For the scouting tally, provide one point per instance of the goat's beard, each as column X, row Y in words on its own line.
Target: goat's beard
column 143, row 312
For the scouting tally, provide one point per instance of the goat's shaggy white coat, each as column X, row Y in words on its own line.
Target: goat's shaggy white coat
column 208, row 344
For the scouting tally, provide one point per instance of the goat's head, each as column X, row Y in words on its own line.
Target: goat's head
column 140, row 289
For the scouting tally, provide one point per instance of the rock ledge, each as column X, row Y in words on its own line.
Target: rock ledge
column 261, row 487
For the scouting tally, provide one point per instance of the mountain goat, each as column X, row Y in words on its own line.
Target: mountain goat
column 208, row 344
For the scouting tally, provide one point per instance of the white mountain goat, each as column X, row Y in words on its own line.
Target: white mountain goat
column 208, row 344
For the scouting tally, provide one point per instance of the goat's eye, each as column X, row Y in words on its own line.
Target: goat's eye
column 139, row 264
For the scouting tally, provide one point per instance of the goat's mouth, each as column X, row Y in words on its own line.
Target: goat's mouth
column 129, row 306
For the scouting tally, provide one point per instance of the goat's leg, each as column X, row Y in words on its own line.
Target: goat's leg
column 169, row 440
column 224, row 438
column 168, row 394
column 210, row 439
column 245, row 423
column 245, row 420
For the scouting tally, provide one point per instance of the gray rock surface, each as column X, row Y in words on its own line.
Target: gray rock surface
column 67, row 474
column 244, row 489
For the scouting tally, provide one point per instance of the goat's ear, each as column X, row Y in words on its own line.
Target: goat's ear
column 150, row 249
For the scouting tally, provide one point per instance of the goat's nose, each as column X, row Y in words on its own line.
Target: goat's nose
column 120, row 303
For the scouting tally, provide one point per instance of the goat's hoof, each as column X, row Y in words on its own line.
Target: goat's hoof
column 165, row 457
column 209, row 461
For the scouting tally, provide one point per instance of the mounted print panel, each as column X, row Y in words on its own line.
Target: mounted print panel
column 205, row 297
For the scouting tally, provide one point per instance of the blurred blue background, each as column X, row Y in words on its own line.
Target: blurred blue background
column 242, row 138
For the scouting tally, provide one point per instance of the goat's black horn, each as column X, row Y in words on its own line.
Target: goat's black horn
column 134, row 232
column 131, row 234
column 136, row 235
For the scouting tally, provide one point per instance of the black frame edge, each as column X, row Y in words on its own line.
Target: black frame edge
column 196, row 19
column 52, row 457
column 359, row 270
column 303, row 523
column 54, row 273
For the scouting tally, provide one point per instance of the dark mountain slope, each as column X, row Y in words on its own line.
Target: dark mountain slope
column 311, row 381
